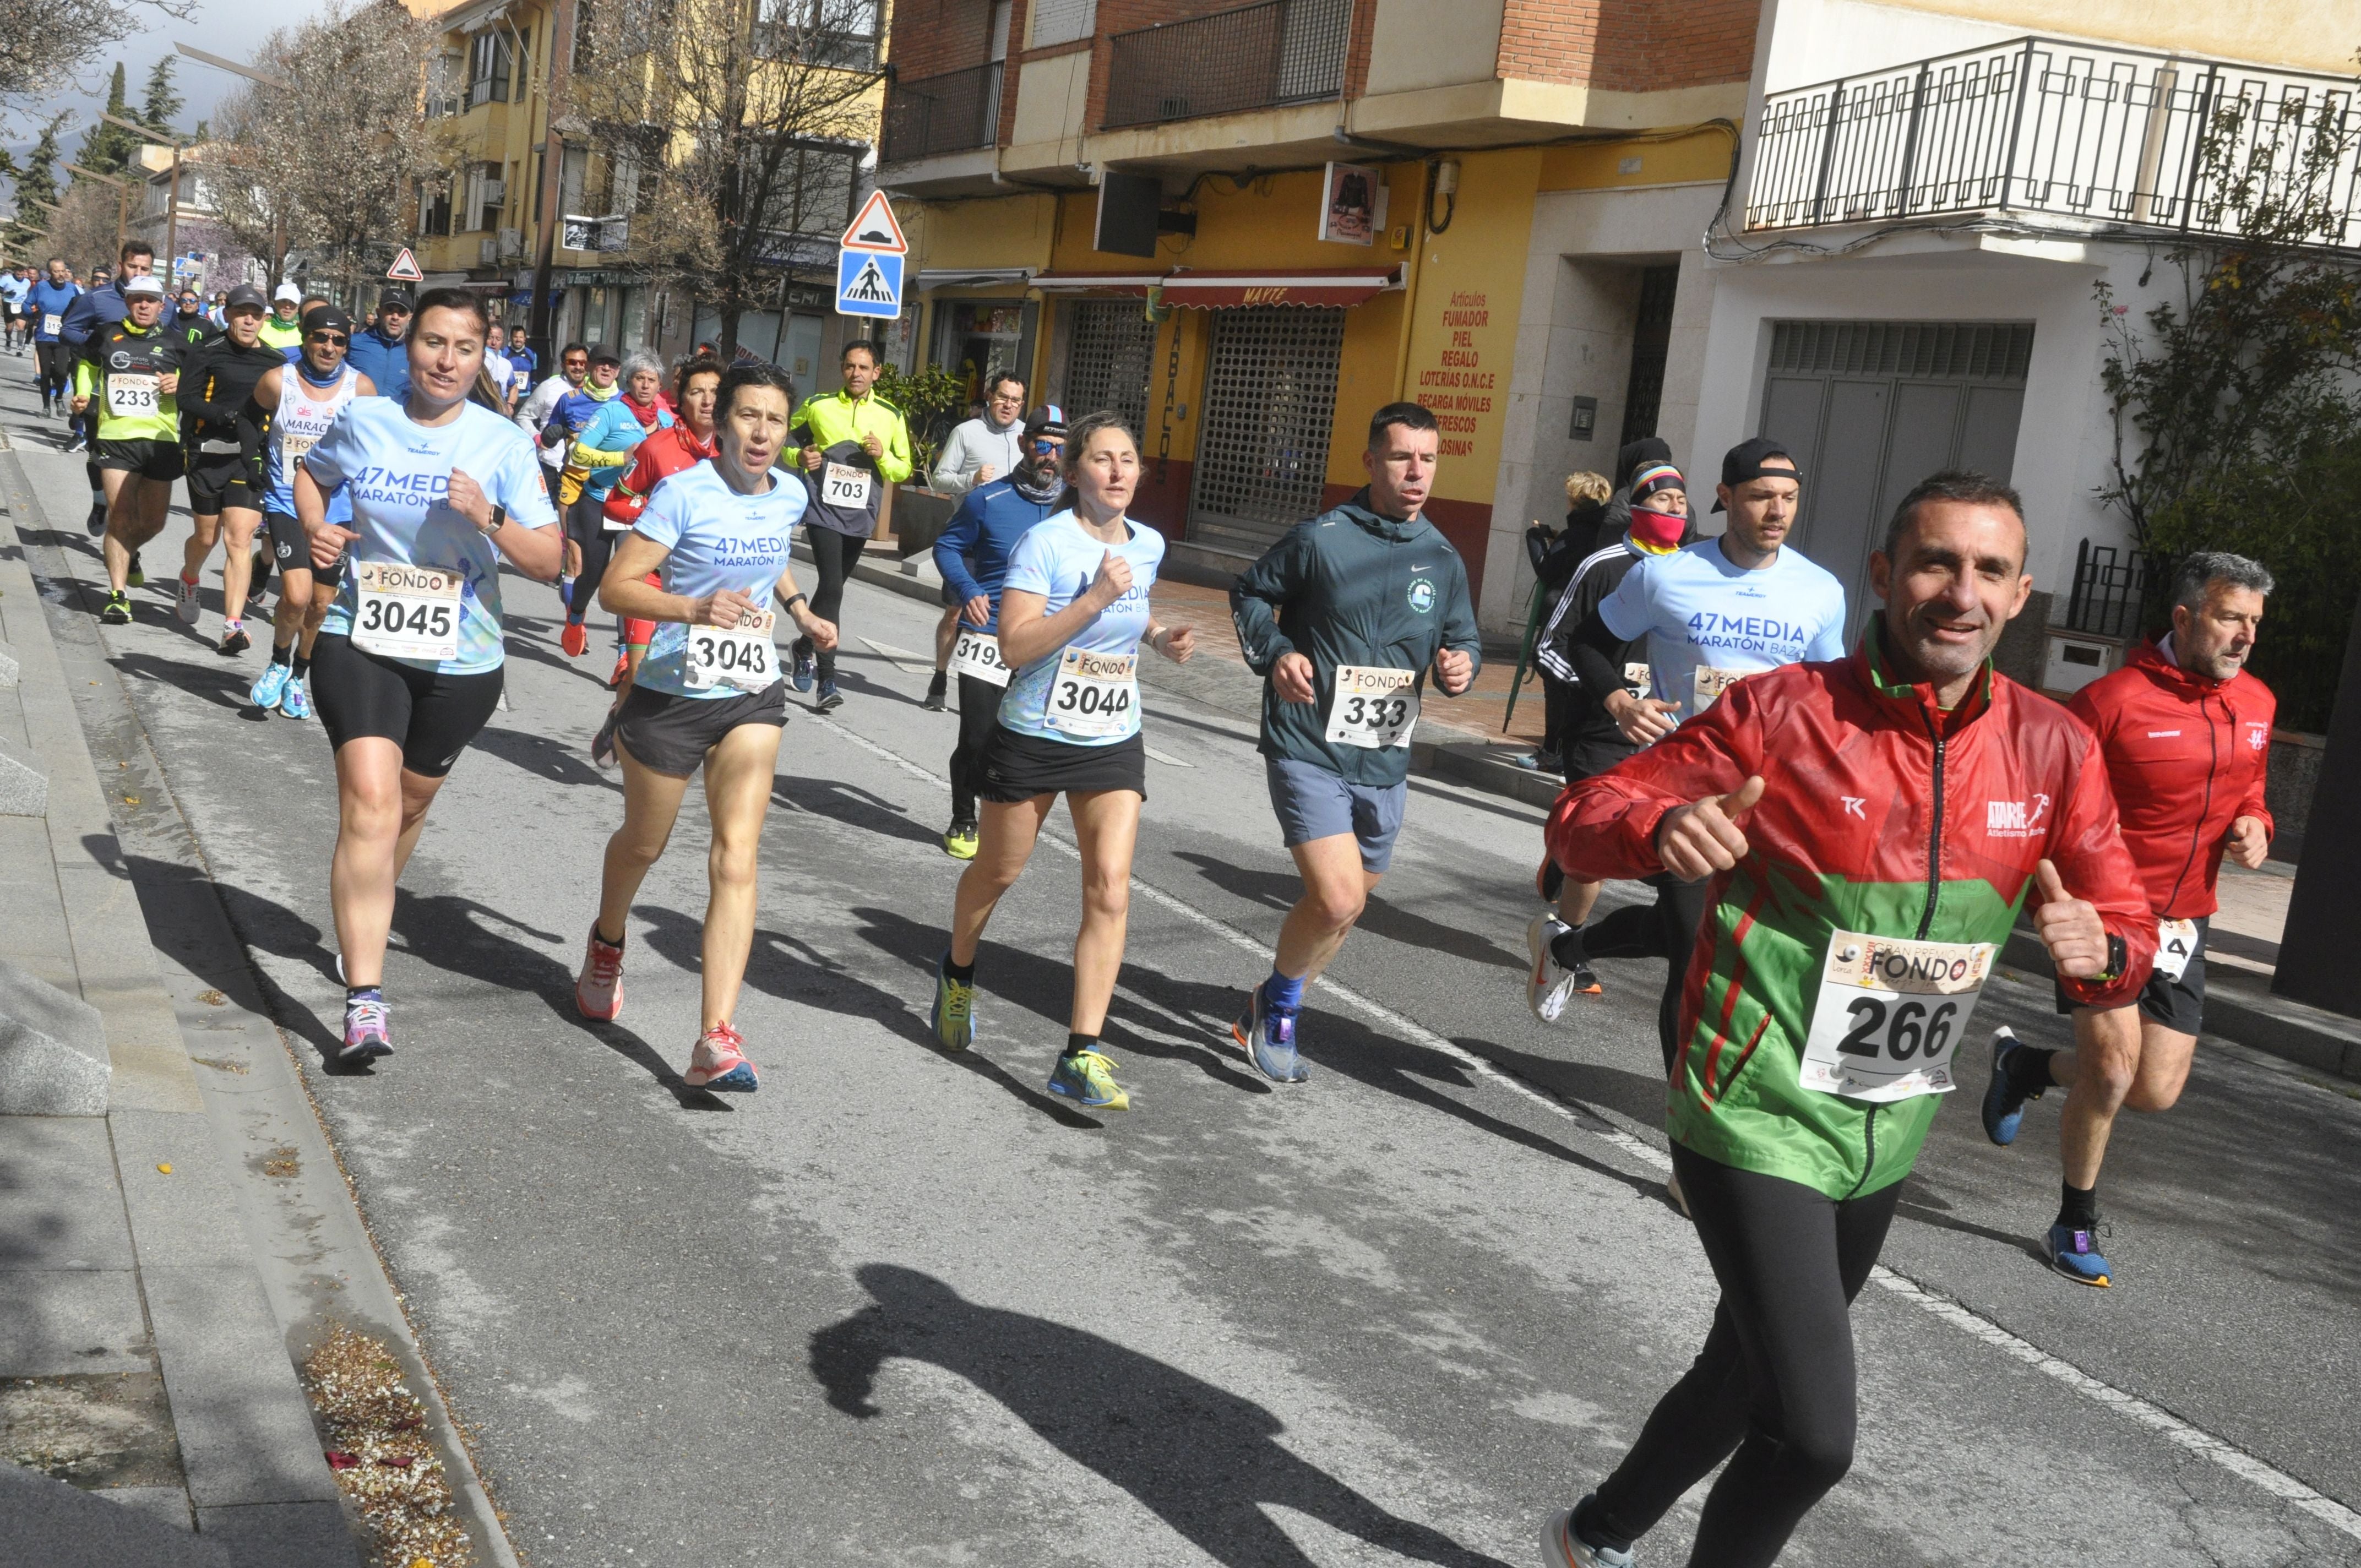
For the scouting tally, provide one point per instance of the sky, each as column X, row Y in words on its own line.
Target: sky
column 231, row 29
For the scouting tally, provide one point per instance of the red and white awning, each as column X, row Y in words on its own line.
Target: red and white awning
column 1212, row 290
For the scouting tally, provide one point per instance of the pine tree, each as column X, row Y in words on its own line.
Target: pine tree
column 108, row 149
column 36, row 189
column 163, row 102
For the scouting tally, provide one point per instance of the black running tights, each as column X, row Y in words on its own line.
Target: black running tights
column 833, row 557
column 979, row 706
column 1773, row 1386
column 586, row 521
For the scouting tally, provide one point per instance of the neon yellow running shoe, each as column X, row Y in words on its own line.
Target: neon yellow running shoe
column 960, row 841
column 954, row 1012
column 1083, row 1077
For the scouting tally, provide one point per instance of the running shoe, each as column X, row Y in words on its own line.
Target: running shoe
column 602, row 746
column 2075, row 1254
column 831, row 699
column 1267, row 1035
column 574, row 640
column 234, row 639
column 598, row 989
column 960, row 841
column 116, row 612
column 2004, row 1107
column 297, row 703
column 138, row 577
column 1680, row 1199
column 1084, row 1077
column 623, row 668
column 364, row 1031
column 805, row 666
column 953, row 1015
column 96, row 522
column 185, row 601
column 938, row 690
column 720, row 1062
column 1561, row 1548
column 270, row 686
column 1549, row 984
column 1548, row 881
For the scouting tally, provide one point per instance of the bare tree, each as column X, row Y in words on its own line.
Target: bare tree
column 732, row 132
column 43, row 42
column 83, row 228
column 330, row 162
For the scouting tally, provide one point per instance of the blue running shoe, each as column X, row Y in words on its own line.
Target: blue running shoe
column 1267, row 1034
column 953, row 1018
column 269, row 685
column 830, row 698
column 805, row 666
column 297, row 703
column 1083, row 1077
column 2075, row 1254
column 2004, row 1107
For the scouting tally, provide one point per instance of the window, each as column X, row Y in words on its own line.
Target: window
column 524, row 64
column 487, row 67
column 841, row 33
column 433, row 207
column 810, row 189
column 1063, row 21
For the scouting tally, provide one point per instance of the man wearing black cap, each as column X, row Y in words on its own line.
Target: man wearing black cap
column 380, row 352
column 215, row 385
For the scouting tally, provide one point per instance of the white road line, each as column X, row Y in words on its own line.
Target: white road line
column 913, row 663
column 1155, row 756
column 2235, row 1459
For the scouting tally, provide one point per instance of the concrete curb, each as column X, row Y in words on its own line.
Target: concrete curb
column 53, row 1058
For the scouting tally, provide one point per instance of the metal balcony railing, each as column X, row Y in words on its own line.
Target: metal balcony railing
column 2042, row 126
column 1256, row 57
column 950, row 113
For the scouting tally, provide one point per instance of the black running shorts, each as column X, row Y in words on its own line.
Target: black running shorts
column 671, row 735
column 2175, row 1004
column 291, row 548
column 1019, row 767
column 218, row 482
column 431, row 716
column 158, row 460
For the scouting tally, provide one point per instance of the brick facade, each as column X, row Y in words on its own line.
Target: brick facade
column 1628, row 46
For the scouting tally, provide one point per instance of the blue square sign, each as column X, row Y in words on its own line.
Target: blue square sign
column 868, row 283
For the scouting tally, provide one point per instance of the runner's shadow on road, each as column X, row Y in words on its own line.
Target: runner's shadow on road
column 1206, row 1462
column 532, row 649
column 1279, row 890
column 851, row 805
column 543, row 758
column 1638, row 1094
column 859, row 683
column 218, row 682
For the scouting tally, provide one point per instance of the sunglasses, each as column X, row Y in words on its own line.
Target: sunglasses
column 337, row 338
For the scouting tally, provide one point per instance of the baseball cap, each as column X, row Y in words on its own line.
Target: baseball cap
column 1750, row 459
column 289, row 293
column 393, row 300
column 327, row 316
column 1048, row 420
column 246, row 294
column 602, row 354
column 143, row 284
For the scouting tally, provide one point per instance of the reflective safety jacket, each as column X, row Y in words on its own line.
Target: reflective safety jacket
column 2186, row 757
column 836, row 424
column 125, row 350
column 1883, row 815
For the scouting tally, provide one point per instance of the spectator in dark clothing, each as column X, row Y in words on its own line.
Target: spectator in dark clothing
column 1554, row 553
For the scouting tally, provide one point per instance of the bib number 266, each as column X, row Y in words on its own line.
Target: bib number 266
column 1889, row 1015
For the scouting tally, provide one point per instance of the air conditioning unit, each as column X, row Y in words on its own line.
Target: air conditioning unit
column 495, row 192
column 488, row 252
column 511, row 242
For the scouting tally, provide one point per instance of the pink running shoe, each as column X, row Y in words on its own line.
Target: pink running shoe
column 720, row 1062
column 598, row 989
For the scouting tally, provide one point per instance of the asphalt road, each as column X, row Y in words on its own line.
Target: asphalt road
column 903, row 1309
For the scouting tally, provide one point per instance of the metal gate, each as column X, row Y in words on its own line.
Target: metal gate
column 1262, row 444
column 1109, row 348
column 1871, row 408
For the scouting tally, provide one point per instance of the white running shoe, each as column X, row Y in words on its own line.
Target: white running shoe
column 1549, row 984
column 1561, row 1548
column 184, row 600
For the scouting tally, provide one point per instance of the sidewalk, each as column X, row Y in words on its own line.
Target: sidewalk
column 177, row 1239
column 1464, row 742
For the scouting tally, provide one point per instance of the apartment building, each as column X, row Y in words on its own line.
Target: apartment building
column 1313, row 207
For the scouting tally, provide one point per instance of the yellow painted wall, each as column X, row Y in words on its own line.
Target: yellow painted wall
column 1699, row 156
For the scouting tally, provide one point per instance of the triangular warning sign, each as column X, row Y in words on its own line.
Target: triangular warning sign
column 876, row 227
column 405, row 268
column 869, row 287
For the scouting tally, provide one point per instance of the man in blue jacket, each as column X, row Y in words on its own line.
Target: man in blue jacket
column 1345, row 618
column 46, row 304
column 972, row 553
column 379, row 352
column 96, row 313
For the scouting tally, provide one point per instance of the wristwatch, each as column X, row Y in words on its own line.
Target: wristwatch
column 499, row 517
column 2118, row 960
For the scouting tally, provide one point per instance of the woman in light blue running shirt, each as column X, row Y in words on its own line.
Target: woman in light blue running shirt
column 1073, row 613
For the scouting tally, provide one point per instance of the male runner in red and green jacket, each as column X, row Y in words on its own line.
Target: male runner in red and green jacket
column 1870, row 826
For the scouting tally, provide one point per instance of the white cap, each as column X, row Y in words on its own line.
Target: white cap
column 143, row 284
column 289, row 293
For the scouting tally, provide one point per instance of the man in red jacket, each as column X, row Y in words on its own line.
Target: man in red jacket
column 2187, row 736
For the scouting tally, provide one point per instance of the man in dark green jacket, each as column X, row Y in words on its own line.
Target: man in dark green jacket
column 1344, row 618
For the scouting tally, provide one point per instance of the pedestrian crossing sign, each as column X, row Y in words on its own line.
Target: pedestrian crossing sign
column 868, row 283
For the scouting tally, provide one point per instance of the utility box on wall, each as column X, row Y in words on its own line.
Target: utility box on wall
column 2074, row 659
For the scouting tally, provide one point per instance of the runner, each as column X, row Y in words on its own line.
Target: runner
column 46, row 304
column 15, row 284
column 1073, row 611
column 977, row 452
column 284, row 330
column 570, row 415
column 972, row 554
column 533, row 416
column 409, row 660
column 100, row 309
column 1837, row 812
column 601, row 450
column 853, row 446
column 709, row 695
column 127, row 380
column 378, row 351
column 1590, row 742
column 300, row 403
column 2186, row 733
column 1710, row 613
column 686, row 443
column 224, row 502
column 526, row 362
column 500, row 369
column 1344, row 618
